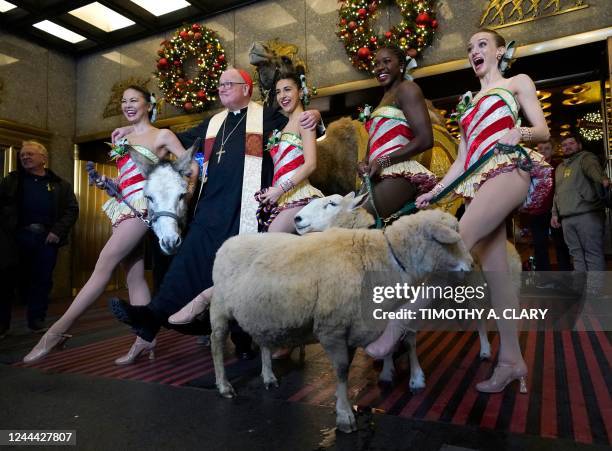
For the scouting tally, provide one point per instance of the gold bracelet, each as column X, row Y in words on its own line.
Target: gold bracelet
column 438, row 188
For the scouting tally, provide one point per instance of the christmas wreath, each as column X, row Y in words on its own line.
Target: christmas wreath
column 412, row 34
column 194, row 41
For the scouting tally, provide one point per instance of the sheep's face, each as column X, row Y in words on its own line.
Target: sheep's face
column 430, row 242
column 332, row 211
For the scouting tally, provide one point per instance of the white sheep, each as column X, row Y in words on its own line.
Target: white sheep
column 286, row 290
column 337, row 211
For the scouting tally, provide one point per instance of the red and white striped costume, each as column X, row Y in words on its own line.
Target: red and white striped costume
column 131, row 183
column 288, row 156
column 388, row 132
column 484, row 122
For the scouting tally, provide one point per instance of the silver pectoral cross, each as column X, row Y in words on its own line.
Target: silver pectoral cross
column 219, row 154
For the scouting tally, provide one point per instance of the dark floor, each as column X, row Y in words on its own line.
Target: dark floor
column 170, row 403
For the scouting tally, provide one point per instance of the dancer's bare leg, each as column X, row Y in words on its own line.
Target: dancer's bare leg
column 484, row 224
column 284, row 221
column 124, row 239
column 195, row 307
column 134, row 268
column 391, row 194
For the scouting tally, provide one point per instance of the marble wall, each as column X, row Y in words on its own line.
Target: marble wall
column 311, row 25
column 39, row 89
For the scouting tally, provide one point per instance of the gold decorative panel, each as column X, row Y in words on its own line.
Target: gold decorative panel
column 113, row 107
column 504, row 13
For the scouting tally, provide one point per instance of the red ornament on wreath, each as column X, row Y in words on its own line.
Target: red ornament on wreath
column 418, row 19
column 363, row 52
column 423, row 19
column 182, row 86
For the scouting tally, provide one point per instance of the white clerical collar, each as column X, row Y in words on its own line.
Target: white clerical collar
column 237, row 112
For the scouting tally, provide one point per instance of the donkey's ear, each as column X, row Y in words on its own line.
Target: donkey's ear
column 183, row 164
column 142, row 163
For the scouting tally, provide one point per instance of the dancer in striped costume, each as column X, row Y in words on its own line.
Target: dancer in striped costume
column 494, row 190
column 293, row 152
column 128, row 230
column 399, row 129
column 130, row 182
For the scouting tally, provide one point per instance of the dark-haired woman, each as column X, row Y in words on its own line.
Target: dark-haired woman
column 399, row 129
column 293, row 152
column 128, row 230
column 493, row 190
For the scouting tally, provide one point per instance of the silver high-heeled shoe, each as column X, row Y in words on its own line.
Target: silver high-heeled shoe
column 47, row 343
column 140, row 347
column 504, row 374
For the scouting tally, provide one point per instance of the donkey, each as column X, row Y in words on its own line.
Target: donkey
column 166, row 191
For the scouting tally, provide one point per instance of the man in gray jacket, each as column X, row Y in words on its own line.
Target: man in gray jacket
column 578, row 207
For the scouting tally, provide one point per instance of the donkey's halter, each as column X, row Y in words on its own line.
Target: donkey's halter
column 147, row 219
column 155, row 215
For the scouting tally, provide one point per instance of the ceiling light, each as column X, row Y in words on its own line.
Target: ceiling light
column 546, row 105
column 543, row 95
column 322, row 6
column 577, row 89
column 5, row 60
column 59, row 31
column 565, row 126
column 122, row 59
column 573, row 101
column 101, row 17
column 6, row 6
column 281, row 16
column 158, row 8
column 547, row 113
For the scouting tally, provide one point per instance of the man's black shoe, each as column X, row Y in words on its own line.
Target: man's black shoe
column 37, row 325
column 121, row 310
column 245, row 354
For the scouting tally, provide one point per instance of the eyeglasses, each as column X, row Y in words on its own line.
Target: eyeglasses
column 230, row 84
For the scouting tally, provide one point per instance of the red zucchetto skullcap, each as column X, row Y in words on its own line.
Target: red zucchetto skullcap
column 247, row 79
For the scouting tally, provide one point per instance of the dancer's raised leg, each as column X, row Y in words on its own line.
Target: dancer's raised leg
column 124, row 239
column 484, row 223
